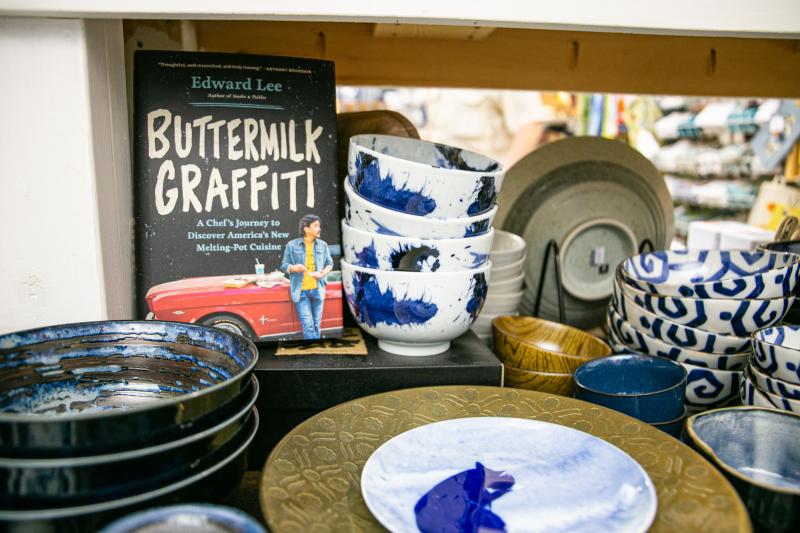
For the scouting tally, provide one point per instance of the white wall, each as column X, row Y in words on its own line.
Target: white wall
column 65, row 250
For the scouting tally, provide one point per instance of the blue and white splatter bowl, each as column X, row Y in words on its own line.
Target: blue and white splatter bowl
column 414, row 313
column 776, row 352
column 362, row 214
column 422, row 178
column 716, row 315
column 391, row 252
column 731, row 274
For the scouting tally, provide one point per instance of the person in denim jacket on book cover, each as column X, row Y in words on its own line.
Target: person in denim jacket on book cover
column 307, row 260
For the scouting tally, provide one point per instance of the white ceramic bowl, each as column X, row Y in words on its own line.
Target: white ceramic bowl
column 627, row 335
column 709, row 387
column 390, row 252
column 507, row 248
column 509, row 271
column 507, row 286
column 422, row 178
column 772, row 385
column 676, row 334
column 776, row 352
column 362, row 214
column 714, row 274
column 716, row 315
column 501, row 303
column 414, row 313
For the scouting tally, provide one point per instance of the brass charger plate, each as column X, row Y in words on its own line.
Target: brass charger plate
column 312, row 479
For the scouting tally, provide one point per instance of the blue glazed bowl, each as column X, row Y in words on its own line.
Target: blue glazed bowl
column 758, row 450
column 673, row 427
column 735, row 274
column 208, row 518
column 422, row 178
column 651, row 389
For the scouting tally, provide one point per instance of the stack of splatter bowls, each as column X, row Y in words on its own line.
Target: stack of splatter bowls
column 100, row 419
column 772, row 379
column 416, row 236
column 699, row 308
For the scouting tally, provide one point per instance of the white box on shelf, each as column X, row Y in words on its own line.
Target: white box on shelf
column 726, row 235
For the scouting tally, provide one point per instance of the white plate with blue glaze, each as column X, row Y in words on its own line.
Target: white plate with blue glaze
column 520, row 475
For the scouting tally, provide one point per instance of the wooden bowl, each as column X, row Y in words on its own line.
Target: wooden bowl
column 529, row 343
column 554, row 383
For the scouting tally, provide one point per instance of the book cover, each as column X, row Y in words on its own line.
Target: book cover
column 236, row 193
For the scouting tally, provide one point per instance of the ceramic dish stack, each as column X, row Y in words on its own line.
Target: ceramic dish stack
column 100, row 419
column 772, row 379
column 699, row 308
column 417, row 236
column 542, row 355
column 505, row 289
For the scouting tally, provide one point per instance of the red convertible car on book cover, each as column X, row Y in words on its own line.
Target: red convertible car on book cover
column 258, row 307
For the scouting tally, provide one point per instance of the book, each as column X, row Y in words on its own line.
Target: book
column 235, row 180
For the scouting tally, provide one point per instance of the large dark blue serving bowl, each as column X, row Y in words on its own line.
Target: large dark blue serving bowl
column 213, row 483
column 791, row 247
column 95, row 387
column 36, row 483
column 651, row 389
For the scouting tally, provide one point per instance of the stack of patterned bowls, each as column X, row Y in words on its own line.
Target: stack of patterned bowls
column 99, row 419
column 505, row 289
column 772, row 378
column 699, row 308
column 417, row 236
column 542, row 355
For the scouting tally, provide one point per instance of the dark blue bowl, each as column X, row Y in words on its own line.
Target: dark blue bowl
column 96, row 387
column 673, row 427
column 211, row 518
column 651, row 389
column 758, row 450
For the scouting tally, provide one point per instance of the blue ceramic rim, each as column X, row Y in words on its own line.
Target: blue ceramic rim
column 755, row 336
column 668, row 362
column 19, row 417
column 752, row 369
column 412, row 276
column 67, row 512
column 355, row 141
column 556, row 325
column 719, row 463
column 466, row 221
column 227, row 515
column 85, row 460
column 771, row 397
column 402, row 238
column 668, row 422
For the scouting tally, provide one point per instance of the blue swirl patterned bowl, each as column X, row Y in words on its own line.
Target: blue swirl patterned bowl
column 772, row 385
column 625, row 334
column 715, row 315
column 389, row 252
column 759, row 452
column 422, row 178
column 673, row 333
column 733, row 275
column 708, row 387
column 776, row 352
column 362, row 214
column 204, row 517
column 414, row 313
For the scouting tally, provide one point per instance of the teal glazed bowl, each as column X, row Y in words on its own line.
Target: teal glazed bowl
column 651, row 389
column 758, row 450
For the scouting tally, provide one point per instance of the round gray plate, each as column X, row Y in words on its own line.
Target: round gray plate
column 558, row 188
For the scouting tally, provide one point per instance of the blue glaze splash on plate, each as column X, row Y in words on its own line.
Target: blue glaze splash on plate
column 564, row 479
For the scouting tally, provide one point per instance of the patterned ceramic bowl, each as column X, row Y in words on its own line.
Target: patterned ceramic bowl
column 708, row 387
column 716, row 315
column 625, row 334
column 776, row 352
column 765, row 398
column 390, row 252
column 414, row 313
column 772, row 385
column 362, row 214
column 733, row 275
column 422, row 178
column 676, row 334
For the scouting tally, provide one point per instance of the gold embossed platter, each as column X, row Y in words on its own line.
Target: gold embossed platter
column 311, row 481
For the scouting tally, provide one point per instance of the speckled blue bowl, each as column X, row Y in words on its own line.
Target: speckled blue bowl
column 89, row 388
column 208, row 518
column 649, row 388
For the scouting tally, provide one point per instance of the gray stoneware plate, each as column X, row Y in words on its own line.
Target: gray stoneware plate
column 598, row 199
